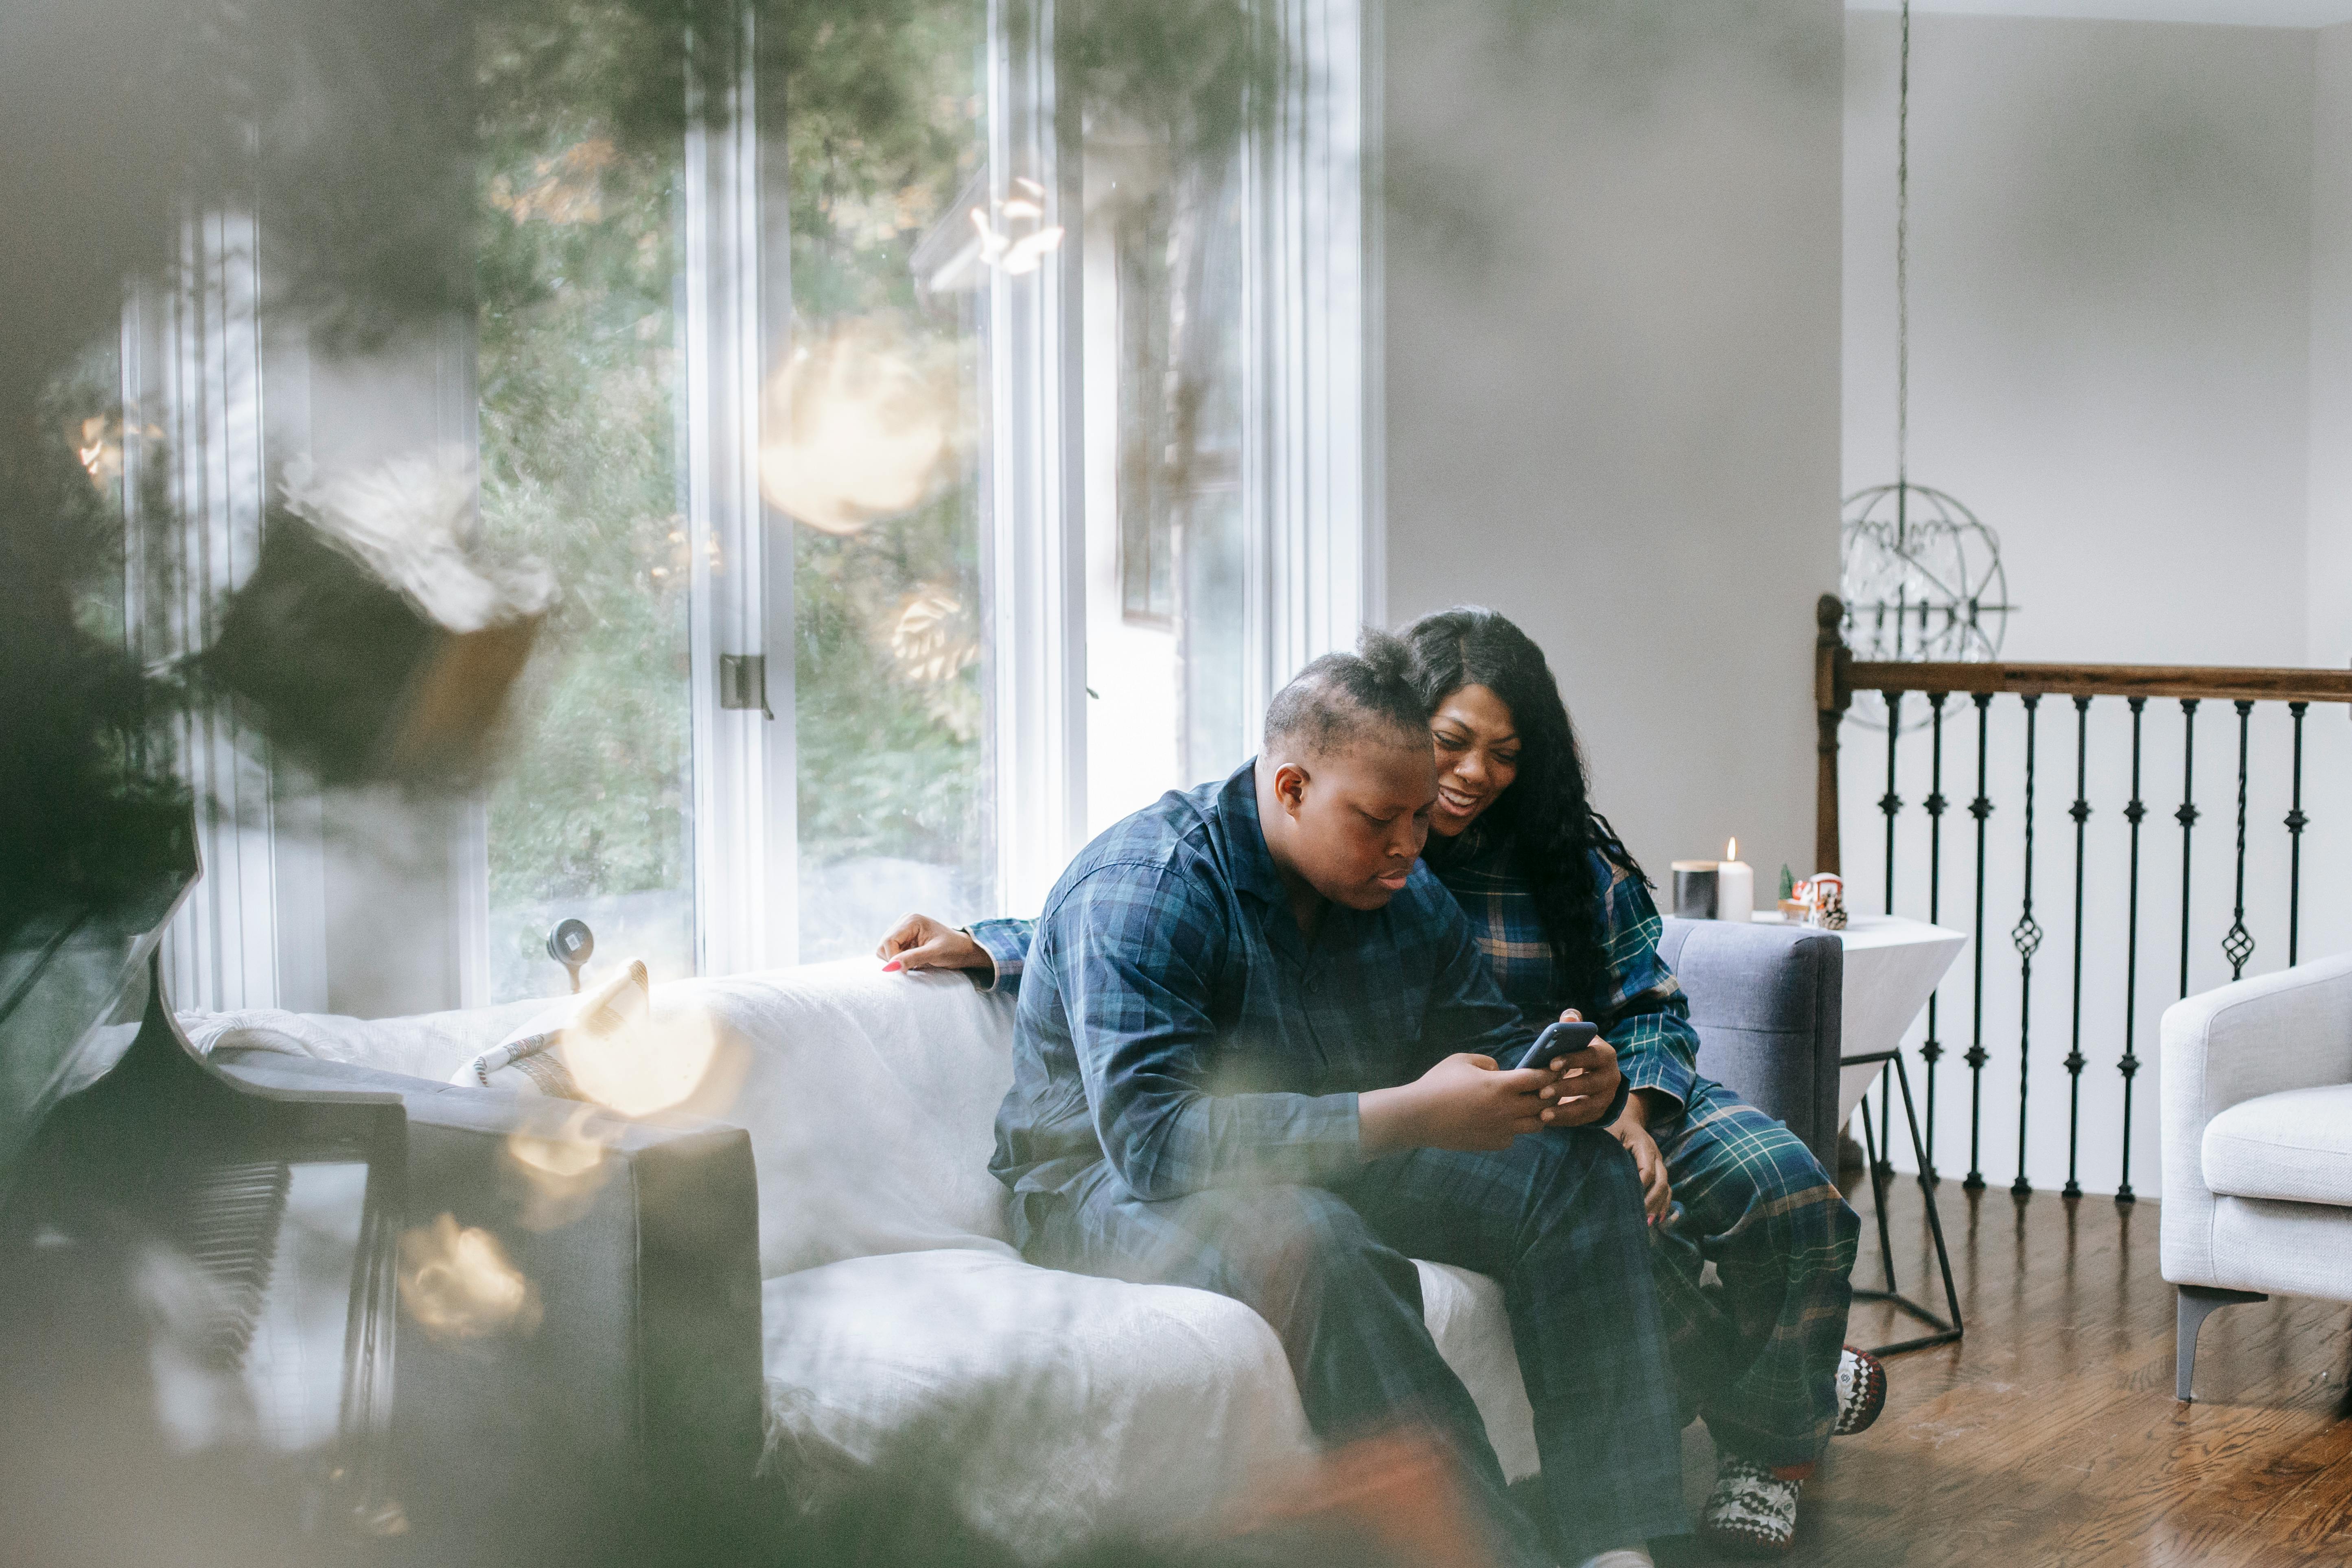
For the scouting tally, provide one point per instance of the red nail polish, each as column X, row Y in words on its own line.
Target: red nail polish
column 892, row 967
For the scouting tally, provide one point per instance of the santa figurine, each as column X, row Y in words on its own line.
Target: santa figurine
column 1825, row 902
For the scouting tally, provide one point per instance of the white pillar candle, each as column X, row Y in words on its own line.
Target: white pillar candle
column 1735, row 886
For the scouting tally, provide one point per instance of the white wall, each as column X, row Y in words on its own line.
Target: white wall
column 2110, row 318
column 2131, row 311
column 2328, row 606
column 1611, row 324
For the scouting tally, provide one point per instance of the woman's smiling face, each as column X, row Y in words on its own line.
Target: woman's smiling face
column 1477, row 757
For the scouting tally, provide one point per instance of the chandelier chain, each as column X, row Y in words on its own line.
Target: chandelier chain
column 1903, row 262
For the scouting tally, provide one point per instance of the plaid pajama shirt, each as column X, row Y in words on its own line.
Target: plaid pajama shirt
column 1755, row 1355
column 1183, row 1109
column 1758, row 1357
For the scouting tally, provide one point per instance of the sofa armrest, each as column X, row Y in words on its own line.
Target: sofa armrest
column 638, row 1388
column 2276, row 1032
column 1768, row 1002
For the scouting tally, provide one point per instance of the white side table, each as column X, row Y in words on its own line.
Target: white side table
column 1892, row 966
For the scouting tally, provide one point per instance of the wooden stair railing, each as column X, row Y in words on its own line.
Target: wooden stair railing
column 1838, row 675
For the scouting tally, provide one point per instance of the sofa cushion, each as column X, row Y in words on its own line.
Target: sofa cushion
column 1065, row 1407
column 871, row 1100
column 1466, row 1317
column 1055, row 1407
column 2294, row 1146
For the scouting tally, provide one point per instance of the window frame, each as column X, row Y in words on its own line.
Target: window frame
column 197, row 362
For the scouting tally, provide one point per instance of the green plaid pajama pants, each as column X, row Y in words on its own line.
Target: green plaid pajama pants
column 1755, row 1355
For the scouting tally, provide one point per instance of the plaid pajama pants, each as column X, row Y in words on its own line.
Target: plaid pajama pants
column 1756, row 1354
column 1556, row 1218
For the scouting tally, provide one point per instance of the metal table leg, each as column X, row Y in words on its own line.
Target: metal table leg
column 1946, row 1330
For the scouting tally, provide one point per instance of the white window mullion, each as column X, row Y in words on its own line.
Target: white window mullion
column 745, row 847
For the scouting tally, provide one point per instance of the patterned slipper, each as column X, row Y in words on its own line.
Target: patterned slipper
column 1752, row 1512
column 1860, row 1391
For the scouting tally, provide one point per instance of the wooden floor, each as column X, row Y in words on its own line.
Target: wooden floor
column 2049, row 1435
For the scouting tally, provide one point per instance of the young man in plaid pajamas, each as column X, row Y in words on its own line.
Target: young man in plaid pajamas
column 1256, row 1052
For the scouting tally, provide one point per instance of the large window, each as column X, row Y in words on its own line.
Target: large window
column 871, row 457
column 579, row 375
column 1170, row 534
column 934, row 468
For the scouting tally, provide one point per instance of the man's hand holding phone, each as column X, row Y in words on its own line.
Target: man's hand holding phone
column 1472, row 1102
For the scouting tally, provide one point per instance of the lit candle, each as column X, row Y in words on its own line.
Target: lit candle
column 1735, row 886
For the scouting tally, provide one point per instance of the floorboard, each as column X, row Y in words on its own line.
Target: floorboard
column 2049, row 1435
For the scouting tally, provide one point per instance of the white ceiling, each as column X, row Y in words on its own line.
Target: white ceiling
column 2239, row 13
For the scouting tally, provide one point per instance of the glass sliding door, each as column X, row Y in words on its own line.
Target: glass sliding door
column 581, row 409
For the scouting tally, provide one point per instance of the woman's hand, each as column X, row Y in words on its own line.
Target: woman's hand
column 1585, row 1083
column 922, row 942
column 1657, row 1194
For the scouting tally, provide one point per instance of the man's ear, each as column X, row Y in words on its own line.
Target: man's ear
column 1290, row 787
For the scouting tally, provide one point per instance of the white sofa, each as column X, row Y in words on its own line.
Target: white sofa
column 2257, row 1147
column 894, row 1306
column 898, row 1321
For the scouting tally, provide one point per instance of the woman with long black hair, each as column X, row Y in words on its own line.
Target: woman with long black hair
column 1564, row 915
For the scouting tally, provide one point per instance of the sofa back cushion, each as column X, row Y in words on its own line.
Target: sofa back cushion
column 871, row 1101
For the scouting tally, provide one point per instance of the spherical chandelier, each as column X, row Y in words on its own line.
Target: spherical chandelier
column 1920, row 574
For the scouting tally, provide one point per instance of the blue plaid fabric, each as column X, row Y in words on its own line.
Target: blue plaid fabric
column 1183, row 1109
column 1556, row 1218
column 1756, row 1354
column 1175, row 1022
column 1642, row 1010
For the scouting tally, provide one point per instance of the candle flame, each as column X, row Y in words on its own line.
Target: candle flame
column 1731, row 849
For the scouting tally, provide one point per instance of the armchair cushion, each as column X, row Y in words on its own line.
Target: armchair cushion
column 2294, row 1146
column 2271, row 1034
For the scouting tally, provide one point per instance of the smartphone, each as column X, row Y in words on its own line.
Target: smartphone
column 1558, row 1039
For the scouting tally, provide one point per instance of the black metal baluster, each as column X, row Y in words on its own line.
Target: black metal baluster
column 2075, row 1062
column 2129, row 1066
column 2238, row 943
column 2187, row 816
column 1980, row 808
column 2026, row 936
column 2295, row 823
column 1932, row 1050
column 1890, row 804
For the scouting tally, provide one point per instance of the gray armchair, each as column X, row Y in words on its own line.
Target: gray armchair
column 1767, row 1001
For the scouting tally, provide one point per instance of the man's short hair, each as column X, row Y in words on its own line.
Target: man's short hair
column 1343, row 697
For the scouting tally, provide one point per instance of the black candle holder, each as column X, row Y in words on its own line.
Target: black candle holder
column 1694, row 889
